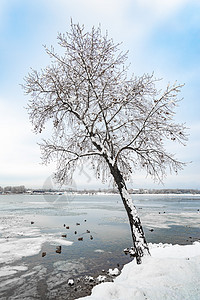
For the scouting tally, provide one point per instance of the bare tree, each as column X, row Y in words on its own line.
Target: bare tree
column 97, row 113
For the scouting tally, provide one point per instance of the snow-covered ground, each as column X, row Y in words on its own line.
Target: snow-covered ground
column 171, row 272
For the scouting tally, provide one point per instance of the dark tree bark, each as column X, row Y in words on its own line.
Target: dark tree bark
column 139, row 241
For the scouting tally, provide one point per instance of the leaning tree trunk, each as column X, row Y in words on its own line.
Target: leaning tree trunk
column 139, row 240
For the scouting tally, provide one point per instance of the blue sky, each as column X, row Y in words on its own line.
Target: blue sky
column 161, row 36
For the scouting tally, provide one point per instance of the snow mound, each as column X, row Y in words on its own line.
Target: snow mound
column 171, row 272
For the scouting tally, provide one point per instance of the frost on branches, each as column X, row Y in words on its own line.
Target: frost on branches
column 120, row 124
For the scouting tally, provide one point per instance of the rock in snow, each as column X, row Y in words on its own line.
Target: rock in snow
column 171, row 272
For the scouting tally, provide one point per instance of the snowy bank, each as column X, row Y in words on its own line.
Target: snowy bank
column 172, row 272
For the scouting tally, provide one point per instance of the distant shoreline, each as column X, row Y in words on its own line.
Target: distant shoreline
column 103, row 192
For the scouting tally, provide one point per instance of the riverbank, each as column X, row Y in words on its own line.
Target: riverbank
column 172, row 272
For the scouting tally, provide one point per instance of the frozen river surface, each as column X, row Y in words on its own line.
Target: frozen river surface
column 33, row 224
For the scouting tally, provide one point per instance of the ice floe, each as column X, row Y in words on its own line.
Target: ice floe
column 21, row 239
column 99, row 251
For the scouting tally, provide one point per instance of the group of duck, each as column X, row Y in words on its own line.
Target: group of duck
column 59, row 248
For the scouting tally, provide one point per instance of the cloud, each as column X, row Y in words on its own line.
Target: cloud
column 19, row 152
column 104, row 7
column 162, row 8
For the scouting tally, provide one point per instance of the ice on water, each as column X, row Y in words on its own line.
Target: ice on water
column 10, row 270
column 19, row 238
column 72, row 267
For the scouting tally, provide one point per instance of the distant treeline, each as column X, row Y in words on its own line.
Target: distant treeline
column 165, row 191
column 13, row 189
column 21, row 189
column 143, row 191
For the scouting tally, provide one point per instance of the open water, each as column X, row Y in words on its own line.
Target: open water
column 33, row 224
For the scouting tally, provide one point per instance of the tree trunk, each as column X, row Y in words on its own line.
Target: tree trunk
column 139, row 240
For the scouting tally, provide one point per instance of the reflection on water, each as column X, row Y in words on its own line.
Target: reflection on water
column 25, row 273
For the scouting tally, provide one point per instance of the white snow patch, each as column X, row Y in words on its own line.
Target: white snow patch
column 90, row 278
column 15, row 248
column 101, row 278
column 113, row 272
column 171, row 272
column 99, row 251
column 56, row 241
column 176, row 251
column 70, row 282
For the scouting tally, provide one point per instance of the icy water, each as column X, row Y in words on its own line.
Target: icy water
column 33, row 224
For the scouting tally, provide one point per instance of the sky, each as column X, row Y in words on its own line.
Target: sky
column 162, row 37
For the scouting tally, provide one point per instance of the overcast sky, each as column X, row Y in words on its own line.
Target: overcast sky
column 162, row 37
